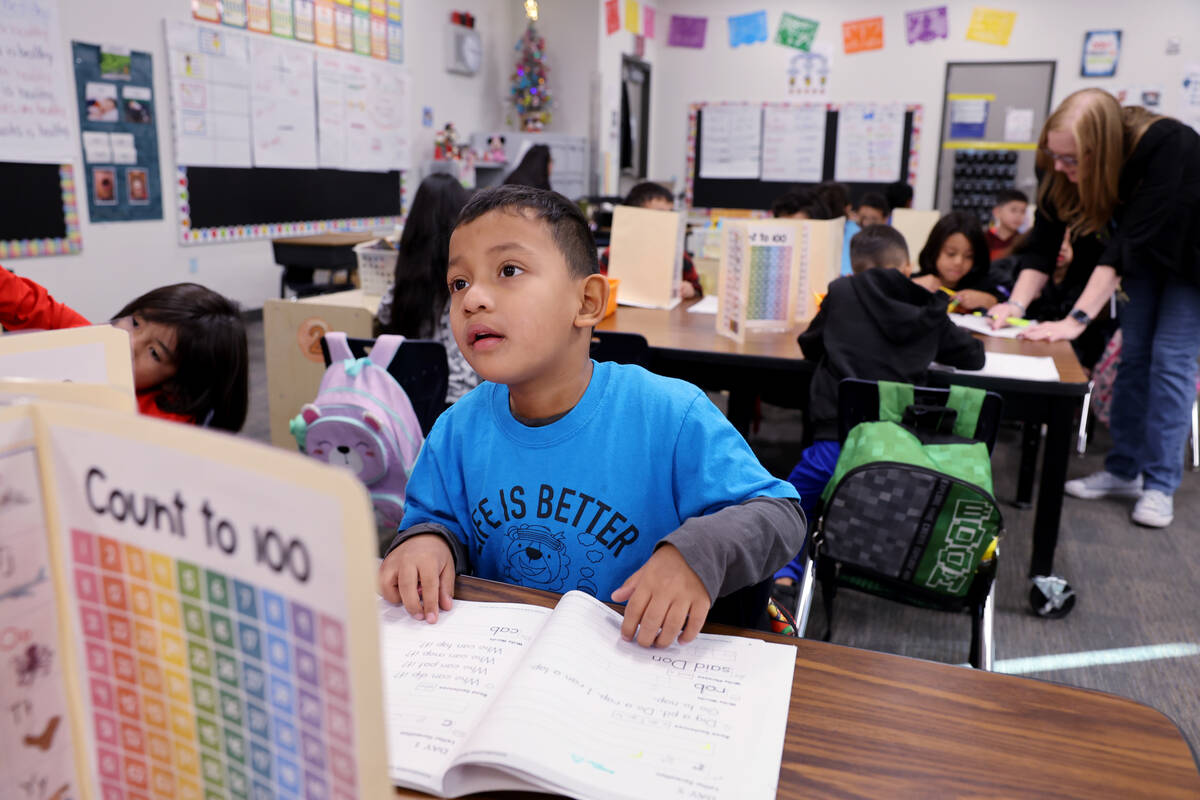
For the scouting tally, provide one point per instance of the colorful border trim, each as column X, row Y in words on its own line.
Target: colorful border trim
column 693, row 108
column 70, row 244
column 244, row 233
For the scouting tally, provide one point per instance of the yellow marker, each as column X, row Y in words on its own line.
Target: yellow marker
column 950, row 292
column 1017, row 322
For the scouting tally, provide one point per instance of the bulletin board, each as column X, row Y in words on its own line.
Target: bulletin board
column 39, row 217
column 117, row 109
column 703, row 194
column 218, row 204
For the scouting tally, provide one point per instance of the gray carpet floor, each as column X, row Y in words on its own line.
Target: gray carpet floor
column 1137, row 588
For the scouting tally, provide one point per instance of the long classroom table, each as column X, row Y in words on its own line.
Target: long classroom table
column 686, row 345
column 866, row 724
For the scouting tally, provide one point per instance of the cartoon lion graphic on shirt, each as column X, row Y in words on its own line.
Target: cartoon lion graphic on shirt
column 537, row 558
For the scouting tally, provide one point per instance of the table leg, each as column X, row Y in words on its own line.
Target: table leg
column 1050, row 490
column 1031, row 439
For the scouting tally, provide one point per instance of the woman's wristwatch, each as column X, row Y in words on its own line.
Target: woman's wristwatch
column 1020, row 306
column 1080, row 316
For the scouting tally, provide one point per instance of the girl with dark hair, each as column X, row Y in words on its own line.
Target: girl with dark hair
column 534, row 169
column 417, row 304
column 188, row 345
column 955, row 258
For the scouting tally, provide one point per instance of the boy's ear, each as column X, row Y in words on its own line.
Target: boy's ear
column 593, row 300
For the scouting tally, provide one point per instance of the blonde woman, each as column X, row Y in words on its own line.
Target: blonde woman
column 1133, row 179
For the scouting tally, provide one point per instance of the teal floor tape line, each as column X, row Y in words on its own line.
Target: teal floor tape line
column 1092, row 658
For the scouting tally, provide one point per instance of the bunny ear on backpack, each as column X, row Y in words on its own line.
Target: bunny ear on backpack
column 385, row 349
column 339, row 346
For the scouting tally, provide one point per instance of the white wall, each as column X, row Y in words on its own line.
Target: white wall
column 1044, row 31
column 607, row 130
column 568, row 27
column 121, row 260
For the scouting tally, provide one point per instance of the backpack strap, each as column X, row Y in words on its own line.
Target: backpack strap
column 339, row 348
column 385, row 349
column 894, row 398
column 968, row 402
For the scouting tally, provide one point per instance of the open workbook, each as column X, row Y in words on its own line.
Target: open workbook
column 499, row 696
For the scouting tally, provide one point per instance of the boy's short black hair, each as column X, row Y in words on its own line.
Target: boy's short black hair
column 646, row 191
column 878, row 247
column 797, row 200
column 1010, row 196
column 898, row 194
column 874, row 200
column 567, row 224
column 835, row 195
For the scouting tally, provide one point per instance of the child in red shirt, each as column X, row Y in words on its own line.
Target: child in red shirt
column 188, row 346
column 1007, row 217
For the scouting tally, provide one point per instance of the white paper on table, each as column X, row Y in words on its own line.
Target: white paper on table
column 983, row 325
column 870, row 137
column 1013, row 365
column 1018, row 125
column 632, row 304
column 284, row 108
column 710, row 304
column 731, row 141
column 124, row 150
column 793, row 143
column 97, row 147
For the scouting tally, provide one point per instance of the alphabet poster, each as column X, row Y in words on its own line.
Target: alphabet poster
column 218, row 618
column 115, row 91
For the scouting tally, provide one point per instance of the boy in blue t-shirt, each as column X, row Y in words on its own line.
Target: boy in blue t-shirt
column 561, row 473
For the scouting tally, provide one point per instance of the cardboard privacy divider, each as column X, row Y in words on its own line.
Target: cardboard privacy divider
column 914, row 226
column 195, row 615
column 772, row 270
column 646, row 255
column 95, row 354
column 18, row 391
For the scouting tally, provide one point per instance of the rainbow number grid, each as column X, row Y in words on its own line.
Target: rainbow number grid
column 206, row 687
column 768, row 285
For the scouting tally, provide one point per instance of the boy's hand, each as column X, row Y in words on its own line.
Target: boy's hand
column 420, row 574
column 972, row 299
column 662, row 598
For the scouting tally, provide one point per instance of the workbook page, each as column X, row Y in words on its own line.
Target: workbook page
column 593, row 716
column 440, row 678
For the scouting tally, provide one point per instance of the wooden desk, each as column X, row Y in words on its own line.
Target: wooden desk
column 865, row 724
column 687, row 346
column 301, row 255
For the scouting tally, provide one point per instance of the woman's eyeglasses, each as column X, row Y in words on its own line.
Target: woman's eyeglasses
column 1067, row 161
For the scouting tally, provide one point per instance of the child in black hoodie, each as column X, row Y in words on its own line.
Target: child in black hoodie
column 874, row 324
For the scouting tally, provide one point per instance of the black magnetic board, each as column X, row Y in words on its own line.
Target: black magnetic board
column 31, row 205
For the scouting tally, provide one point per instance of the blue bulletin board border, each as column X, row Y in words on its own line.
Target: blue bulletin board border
column 70, row 244
column 241, row 233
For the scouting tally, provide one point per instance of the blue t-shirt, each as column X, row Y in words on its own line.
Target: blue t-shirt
column 852, row 228
column 580, row 503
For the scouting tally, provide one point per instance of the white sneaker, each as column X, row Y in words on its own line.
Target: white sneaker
column 1155, row 509
column 1103, row 484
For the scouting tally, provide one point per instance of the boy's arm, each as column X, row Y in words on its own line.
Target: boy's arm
column 458, row 550
column 25, row 304
column 741, row 545
column 812, row 341
column 959, row 349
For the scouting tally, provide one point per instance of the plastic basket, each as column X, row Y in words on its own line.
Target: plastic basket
column 376, row 267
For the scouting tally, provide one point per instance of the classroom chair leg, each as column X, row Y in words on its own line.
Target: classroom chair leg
column 1081, row 443
column 983, row 642
column 805, row 595
column 1031, row 441
column 1196, row 436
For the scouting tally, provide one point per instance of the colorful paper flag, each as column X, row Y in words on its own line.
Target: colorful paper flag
column 796, row 32
column 612, row 16
column 648, row 21
column 633, row 20
column 926, row 25
column 686, row 31
column 991, row 26
column 862, row 34
column 748, row 28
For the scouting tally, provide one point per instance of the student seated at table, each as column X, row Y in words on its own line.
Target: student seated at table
column 898, row 195
column 955, row 261
column 1008, row 215
column 417, row 303
column 837, row 196
column 878, row 325
column 800, row 204
column 561, row 473
column 649, row 194
column 872, row 209
column 187, row 343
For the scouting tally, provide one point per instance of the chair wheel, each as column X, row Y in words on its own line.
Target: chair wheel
column 1051, row 597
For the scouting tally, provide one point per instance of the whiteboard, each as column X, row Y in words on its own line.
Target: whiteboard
column 210, row 95
column 793, row 143
column 284, row 105
column 731, row 141
column 35, row 105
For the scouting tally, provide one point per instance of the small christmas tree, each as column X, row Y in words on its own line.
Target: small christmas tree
column 530, row 93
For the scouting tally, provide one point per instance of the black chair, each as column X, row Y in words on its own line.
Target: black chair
column 858, row 401
column 623, row 348
column 420, row 367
